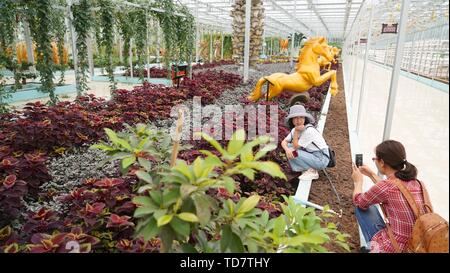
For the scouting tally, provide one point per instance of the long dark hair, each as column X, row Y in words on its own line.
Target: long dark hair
column 394, row 155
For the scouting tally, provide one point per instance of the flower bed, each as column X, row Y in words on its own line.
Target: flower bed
column 98, row 213
column 28, row 137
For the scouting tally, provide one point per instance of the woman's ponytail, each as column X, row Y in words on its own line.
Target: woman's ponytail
column 407, row 172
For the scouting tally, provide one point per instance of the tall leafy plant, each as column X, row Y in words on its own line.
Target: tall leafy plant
column 40, row 23
column 82, row 24
column 107, row 38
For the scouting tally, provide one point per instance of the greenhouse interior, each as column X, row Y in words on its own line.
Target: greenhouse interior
column 182, row 126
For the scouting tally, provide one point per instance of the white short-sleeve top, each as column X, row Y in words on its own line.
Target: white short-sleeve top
column 307, row 137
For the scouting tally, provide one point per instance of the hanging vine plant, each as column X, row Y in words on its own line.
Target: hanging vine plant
column 140, row 35
column 126, row 31
column 107, row 38
column 59, row 32
column 8, row 26
column 82, row 24
column 40, row 23
column 178, row 32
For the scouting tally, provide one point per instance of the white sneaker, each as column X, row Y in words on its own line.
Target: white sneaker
column 310, row 174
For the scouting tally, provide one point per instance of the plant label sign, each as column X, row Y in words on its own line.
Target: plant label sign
column 389, row 28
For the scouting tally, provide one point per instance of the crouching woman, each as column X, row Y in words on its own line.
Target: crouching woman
column 305, row 147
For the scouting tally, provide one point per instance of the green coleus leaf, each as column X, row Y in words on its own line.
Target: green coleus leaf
column 146, row 164
column 144, row 176
column 164, row 220
column 188, row 217
column 149, row 230
column 112, row 135
column 186, row 190
column 128, row 161
column 102, row 147
column 271, row 168
column 249, row 204
column 180, row 227
column 214, row 143
column 261, row 153
column 236, row 142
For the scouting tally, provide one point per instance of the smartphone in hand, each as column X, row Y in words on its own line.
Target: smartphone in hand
column 295, row 154
column 359, row 160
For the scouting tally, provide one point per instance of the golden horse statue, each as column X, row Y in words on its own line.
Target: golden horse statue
column 306, row 76
column 324, row 63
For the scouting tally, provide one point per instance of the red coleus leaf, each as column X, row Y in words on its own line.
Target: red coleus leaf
column 95, row 208
column 120, row 221
column 108, row 182
column 43, row 214
column 9, row 162
column 77, row 193
column 44, row 243
column 124, row 245
column 9, row 181
column 78, row 235
column 37, row 157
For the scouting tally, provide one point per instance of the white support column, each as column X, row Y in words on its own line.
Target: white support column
column 248, row 9
column 131, row 57
column 292, row 50
column 90, row 54
column 74, row 44
column 147, row 45
column 264, row 44
column 119, row 38
column 396, row 69
column 197, row 34
column 158, row 45
column 223, row 42
column 211, row 49
column 29, row 45
column 366, row 60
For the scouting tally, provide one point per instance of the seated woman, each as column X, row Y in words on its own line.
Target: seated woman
column 390, row 159
column 305, row 147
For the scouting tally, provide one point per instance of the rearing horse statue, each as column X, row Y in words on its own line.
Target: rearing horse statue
column 324, row 63
column 307, row 75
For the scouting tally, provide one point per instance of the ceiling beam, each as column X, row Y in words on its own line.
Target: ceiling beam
column 313, row 8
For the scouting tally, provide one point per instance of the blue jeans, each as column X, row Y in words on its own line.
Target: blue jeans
column 305, row 160
column 370, row 221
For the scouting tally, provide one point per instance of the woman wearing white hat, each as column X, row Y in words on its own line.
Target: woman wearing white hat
column 305, row 147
